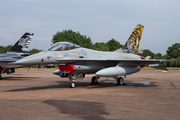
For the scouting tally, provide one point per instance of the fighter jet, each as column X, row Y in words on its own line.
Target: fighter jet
column 76, row 61
column 18, row 51
column 131, row 45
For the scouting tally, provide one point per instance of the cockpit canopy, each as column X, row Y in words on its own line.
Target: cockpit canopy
column 61, row 46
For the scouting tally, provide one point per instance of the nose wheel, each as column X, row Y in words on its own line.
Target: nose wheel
column 72, row 85
column 75, row 77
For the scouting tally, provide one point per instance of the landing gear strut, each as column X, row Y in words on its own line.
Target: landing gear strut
column 75, row 77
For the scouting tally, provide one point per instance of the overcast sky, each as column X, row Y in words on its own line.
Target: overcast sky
column 101, row 20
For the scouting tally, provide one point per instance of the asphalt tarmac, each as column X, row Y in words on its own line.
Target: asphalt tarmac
column 40, row 95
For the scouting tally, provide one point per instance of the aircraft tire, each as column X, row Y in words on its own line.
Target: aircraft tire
column 120, row 81
column 84, row 75
column 72, row 85
column 94, row 80
column 1, row 77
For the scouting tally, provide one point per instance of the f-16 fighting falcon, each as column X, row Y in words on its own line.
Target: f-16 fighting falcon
column 18, row 51
column 75, row 61
column 131, row 46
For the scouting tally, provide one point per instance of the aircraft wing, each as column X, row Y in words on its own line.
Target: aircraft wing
column 8, row 58
column 140, row 61
column 3, row 60
column 150, row 61
column 158, row 64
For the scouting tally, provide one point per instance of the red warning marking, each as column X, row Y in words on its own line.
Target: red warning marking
column 68, row 69
column 4, row 69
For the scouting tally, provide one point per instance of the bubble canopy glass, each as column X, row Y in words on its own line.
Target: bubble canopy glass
column 61, row 46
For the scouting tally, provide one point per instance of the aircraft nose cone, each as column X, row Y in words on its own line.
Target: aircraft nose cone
column 35, row 59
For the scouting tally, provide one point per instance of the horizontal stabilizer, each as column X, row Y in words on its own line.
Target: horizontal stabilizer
column 148, row 57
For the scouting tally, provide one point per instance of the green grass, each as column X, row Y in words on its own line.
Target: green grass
column 173, row 68
column 148, row 68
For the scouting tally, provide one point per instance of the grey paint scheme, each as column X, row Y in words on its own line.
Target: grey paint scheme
column 71, row 56
column 17, row 52
column 86, row 61
column 92, row 57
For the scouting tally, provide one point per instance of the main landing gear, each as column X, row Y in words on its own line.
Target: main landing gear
column 1, row 77
column 120, row 81
column 79, row 77
column 94, row 80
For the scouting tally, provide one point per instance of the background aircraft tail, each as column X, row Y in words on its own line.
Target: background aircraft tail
column 23, row 43
column 133, row 42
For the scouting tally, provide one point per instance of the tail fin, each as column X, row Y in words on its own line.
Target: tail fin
column 23, row 43
column 133, row 42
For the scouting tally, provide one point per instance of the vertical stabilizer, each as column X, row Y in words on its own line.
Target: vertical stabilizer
column 23, row 43
column 133, row 42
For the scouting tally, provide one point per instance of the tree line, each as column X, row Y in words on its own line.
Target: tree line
column 8, row 47
column 173, row 52
column 84, row 41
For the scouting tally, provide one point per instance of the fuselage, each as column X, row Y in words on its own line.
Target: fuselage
column 75, row 56
column 85, row 60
